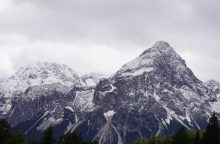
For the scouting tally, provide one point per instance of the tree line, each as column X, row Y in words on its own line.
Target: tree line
column 211, row 135
column 8, row 137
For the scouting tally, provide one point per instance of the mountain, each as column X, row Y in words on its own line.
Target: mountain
column 156, row 93
column 40, row 73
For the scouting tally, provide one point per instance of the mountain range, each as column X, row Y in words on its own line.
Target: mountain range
column 156, row 93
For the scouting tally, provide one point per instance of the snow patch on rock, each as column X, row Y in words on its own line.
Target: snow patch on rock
column 109, row 113
column 216, row 106
column 49, row 122
column 84, row 100
column 69, row 108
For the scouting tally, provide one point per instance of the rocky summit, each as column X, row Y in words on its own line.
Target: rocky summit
column 156, row 93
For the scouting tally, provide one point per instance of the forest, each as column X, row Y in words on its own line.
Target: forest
column 211, row 135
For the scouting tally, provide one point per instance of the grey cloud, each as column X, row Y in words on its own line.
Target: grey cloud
column 125, row 26
column 108, row 22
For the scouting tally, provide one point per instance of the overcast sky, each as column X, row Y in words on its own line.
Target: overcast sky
column 102, row 35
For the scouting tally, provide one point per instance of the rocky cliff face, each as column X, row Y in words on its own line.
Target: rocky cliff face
column 154, row 94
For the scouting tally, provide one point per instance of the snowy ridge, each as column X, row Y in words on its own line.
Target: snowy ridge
column 46, row 89
column 39, row 73
column 148, row 61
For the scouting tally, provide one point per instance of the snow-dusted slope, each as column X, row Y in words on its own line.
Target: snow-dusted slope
column 92, row 79
column 150, row 59
column 38, row 74
column 157, row 92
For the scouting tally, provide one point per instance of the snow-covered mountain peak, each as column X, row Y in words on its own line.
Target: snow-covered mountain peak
column 161, row 44
column 161, row 54
column 159, row 48
column 39, row 73
column 44, row 69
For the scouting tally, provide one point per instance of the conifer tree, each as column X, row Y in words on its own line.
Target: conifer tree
column 33, row 140
column 16, row 138
column 4, row 131
column 72, row 138
column 212, row 133
column 181, row 136
column 6, row 137
column 197, row 139
column 48, row 136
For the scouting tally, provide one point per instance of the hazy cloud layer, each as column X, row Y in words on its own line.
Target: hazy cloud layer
column 101, row 35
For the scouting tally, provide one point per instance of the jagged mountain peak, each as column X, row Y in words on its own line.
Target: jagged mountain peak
column 159, row 48
column 162, row 46
column 160, row 55
column 46, row 67
column 161, row 43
